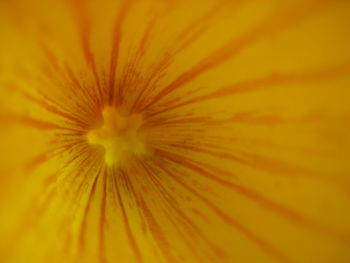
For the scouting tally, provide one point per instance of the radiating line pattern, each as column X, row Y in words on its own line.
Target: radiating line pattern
column 175, row 131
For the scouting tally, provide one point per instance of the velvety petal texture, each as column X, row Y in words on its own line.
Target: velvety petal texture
column 174, row 131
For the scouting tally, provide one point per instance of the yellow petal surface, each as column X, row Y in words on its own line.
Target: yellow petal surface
column 166, row 131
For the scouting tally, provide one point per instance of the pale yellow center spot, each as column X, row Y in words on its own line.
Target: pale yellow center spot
column 119, row 135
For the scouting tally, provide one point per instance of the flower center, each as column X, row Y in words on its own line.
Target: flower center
column 118, row 135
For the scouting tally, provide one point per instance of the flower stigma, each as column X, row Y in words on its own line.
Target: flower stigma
column 118, row 135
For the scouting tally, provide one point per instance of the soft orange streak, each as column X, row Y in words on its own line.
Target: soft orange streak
column 156, row 231
column 273, row 25
column 84, row 26
column 117, row 36
column 272, row 80
column 174, row 205
column 86, row 211
column 128, row 230
column 261, row 200
column 264, row 245
column 55, row 110
column 102, row 224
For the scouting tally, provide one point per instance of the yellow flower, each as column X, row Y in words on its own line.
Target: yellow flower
column 146, row 131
